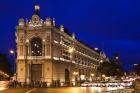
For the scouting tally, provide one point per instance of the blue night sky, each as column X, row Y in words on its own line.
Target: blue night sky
column 111, row 25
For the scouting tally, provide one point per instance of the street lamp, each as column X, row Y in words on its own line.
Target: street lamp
column 103, row 76
column 117, row 58
column 92, row 75
column 101, row 61
column 135, row 64
column 99, row 67
column 75, row 76
column 12, row 52
column 96, row 48
column 75, row 73
column 134, row 69
column 71, row 49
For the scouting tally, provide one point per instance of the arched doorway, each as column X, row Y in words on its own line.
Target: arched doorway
column 67, row 79
column 36, row 72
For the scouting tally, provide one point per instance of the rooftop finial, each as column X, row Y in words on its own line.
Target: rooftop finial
column 53, row 21
column 73, row 35
column 62, row 28
column 37, row 8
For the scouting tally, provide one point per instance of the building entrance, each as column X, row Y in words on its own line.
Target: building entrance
column 67, row 79
column 36, row 72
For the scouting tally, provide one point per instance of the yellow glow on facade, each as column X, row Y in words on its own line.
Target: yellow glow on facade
column 71, row 49
column 103, row 76
column 82, row 77
column 92, row 74
column 75, row 73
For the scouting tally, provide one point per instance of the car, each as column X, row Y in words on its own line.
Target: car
column 4, row 85
column 86, row 84
column 94, row 84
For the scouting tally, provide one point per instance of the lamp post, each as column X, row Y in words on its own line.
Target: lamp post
column 134, row 72
column 92, row 75
column 96, row 49
column 100, row 62
column 71, row 49
column 26, row 62
column 75, row 77
column 12, row 52
column 103, row 77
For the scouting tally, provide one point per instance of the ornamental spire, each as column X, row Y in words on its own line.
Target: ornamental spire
column 37, row 8
column 73, row 35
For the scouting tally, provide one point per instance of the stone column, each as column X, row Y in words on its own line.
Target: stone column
column 28, row 73
column 27, row 63
column 43, row 51
column 43, row 72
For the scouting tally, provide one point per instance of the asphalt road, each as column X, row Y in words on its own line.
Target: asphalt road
column 53, row 90
column 15, row 90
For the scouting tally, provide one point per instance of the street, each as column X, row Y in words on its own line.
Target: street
column 85, row 88
column 56, row 90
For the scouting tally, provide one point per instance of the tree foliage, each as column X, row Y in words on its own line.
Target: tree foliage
column 5, row 66
column 111, row 69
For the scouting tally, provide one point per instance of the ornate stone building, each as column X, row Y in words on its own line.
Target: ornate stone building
column 47, row 53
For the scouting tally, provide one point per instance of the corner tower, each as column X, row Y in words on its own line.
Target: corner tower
column 33, row 39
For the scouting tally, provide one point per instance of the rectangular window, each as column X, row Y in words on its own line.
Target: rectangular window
column 21, row 50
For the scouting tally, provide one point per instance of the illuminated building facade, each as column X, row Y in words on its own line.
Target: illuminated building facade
column 47, row 53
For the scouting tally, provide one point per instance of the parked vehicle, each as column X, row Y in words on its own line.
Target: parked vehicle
column 86, row 84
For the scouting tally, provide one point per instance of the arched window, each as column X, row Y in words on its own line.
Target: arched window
column 36, row 47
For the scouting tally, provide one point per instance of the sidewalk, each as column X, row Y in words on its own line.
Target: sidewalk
column 136, row 91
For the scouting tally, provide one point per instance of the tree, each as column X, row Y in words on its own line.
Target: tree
column 136, row 68
column 112, row 68
column 5, row 66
